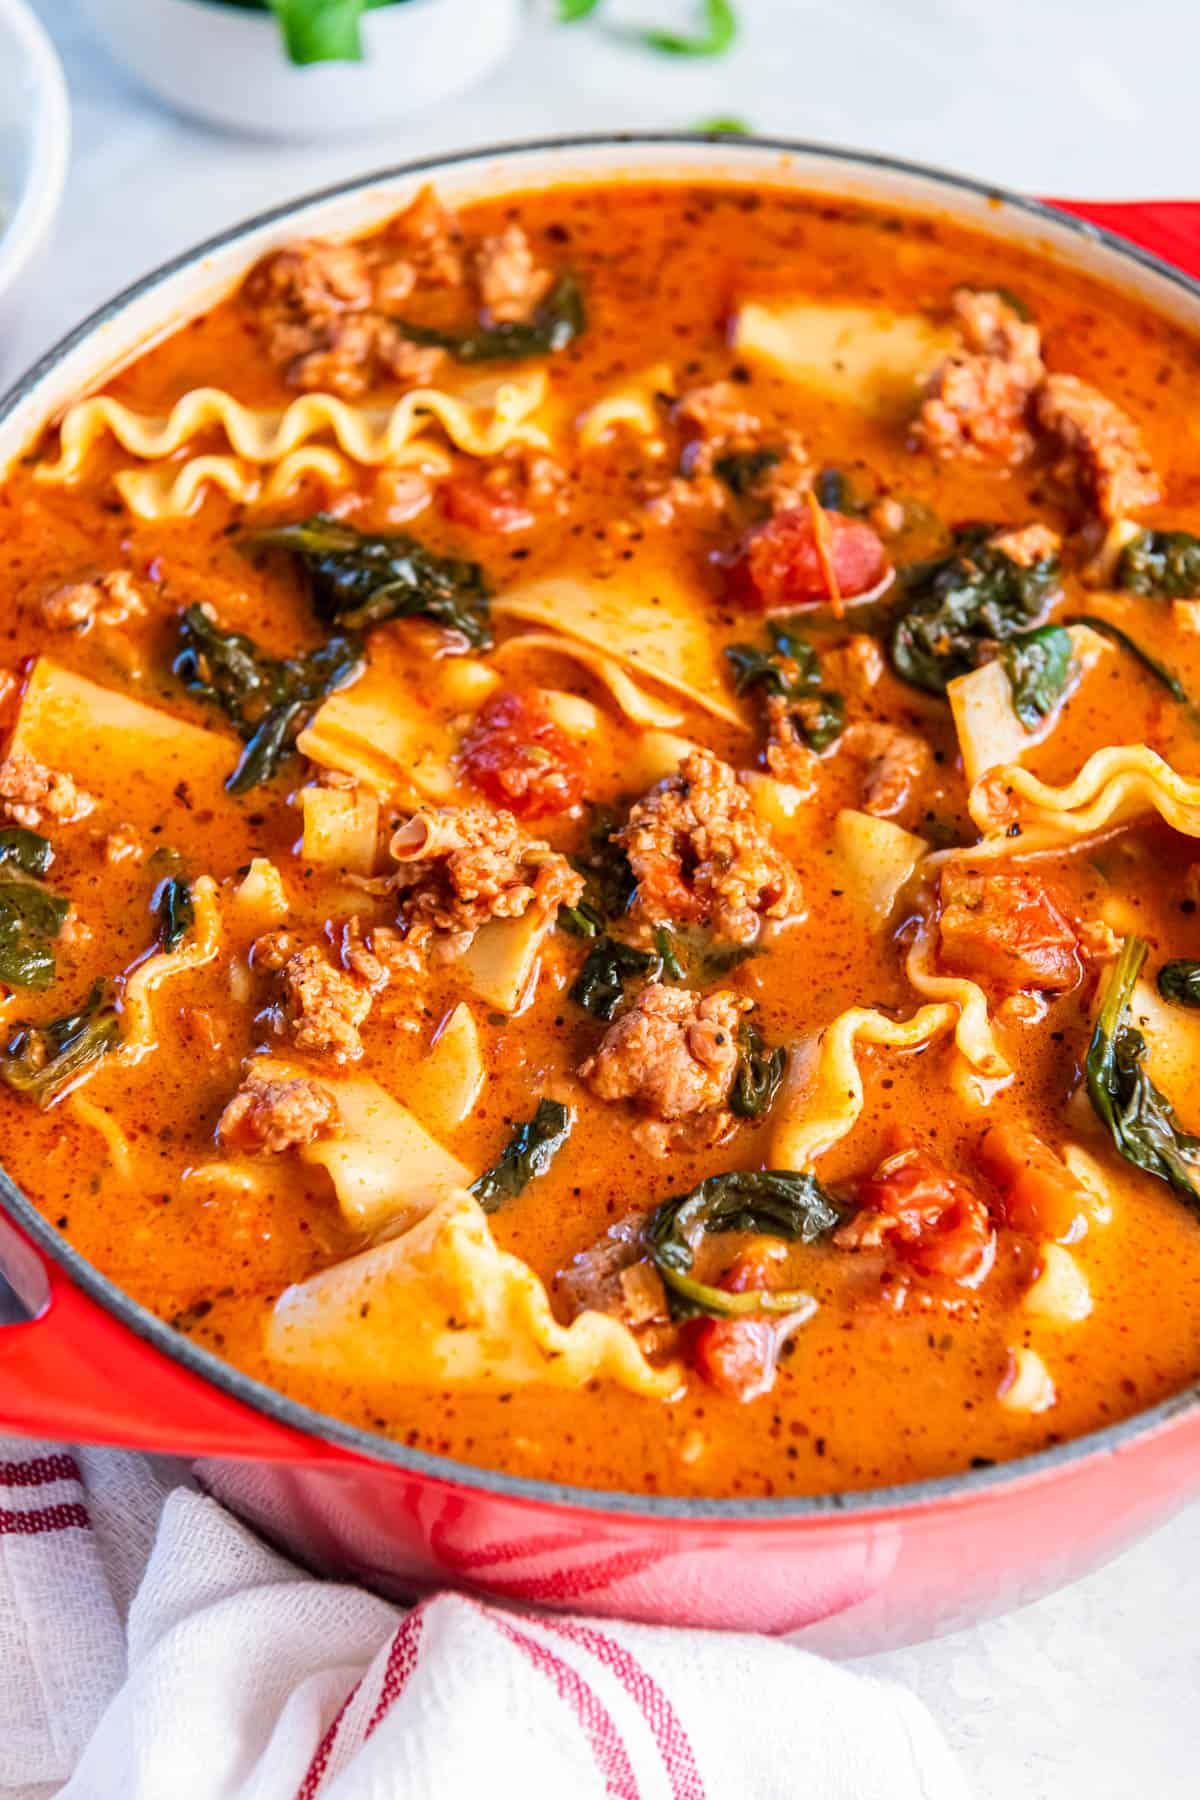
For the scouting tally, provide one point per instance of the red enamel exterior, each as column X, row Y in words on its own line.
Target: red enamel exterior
column 846, row 1576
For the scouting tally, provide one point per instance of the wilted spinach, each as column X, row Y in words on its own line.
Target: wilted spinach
column 528, row 1153
column 600, row 985
column 1179, row 982
column 791, row 671
column 1139, row 1118
column 959, row 606
column 835, row 493
column 741, row 470
column 39, row 1061
column 26, row 850
column 759, row 1073
column 559, row 319
column 1159, row 670
column 176, row 912
column 1165, row 564
column 608, row 878
column 30, row 920
column 266, row 698
column 775, row 1202
column 359, row 581
column 1039, row 664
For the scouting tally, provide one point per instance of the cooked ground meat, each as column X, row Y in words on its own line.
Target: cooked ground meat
column 1007, row 930
column 895, row 763
column 460, row 866
column 787, row 752
column 976, row 402
column 79, row 605
column 716, row 424
column 1102, row 455
column 674, row 1053
column 273, row 1116
column 320, row 1008
column 510, row 282
column 324, row 307
column 700, row 853
column 123, row 845
column 29, row 793
column 360, row 958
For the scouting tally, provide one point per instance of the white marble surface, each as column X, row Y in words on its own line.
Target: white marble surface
column 1092, row 1693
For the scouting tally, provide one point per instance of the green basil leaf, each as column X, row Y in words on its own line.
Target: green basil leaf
column 717, row 33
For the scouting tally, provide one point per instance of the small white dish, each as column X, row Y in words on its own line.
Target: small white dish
column 227, row 64
column 35, row 143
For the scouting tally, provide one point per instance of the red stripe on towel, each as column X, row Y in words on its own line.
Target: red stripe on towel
column 43, row 1519
column 608, row 1748
column 40, row 1471
column 673, row 1743
column 402, row 1660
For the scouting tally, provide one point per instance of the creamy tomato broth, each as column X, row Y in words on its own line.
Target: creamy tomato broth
column 596, row 819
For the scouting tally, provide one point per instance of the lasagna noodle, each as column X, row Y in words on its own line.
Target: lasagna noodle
column 634, row 407
column 175, row 492
column 644, row 710
column 824, row 1095
column 973, row 1032
column 483, row 421
column 199, row 947
column 443, row 1305
column 1115, row 785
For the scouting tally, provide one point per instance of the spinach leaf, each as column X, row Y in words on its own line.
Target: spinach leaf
column 688, row 954
column 176, row 912
column 528, row 1153
column 1140, row 1119
column 759, row 1073
column 958, row 606
column 1159, row 670
column 39, row 1061
column 791, row 670
column 359, row 580
column 741, row 469
column 27, row 851
column 715, row 37
column 775, row 1202
column 609, row 879
column 266, row 698
column 1179, row 982
column 1165, row 564
column 668, row 956
column 560, row 319
column 836, row 494
column 600, row 985
column 30, row 919
column 1039, row 664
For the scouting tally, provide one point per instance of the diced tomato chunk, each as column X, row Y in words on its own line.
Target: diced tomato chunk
column 779, row 564
column 735, row 1356
column 516, row 755
column 1040, row 1194
column 929, row 1217
column 1008, row 930
column 469, row 501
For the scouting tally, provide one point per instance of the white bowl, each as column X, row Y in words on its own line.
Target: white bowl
column 227, row 64
column 35, row 142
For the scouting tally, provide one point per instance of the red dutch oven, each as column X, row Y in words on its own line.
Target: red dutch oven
column 846, row 1573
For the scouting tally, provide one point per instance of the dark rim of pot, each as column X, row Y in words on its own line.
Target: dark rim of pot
column 372, row 1446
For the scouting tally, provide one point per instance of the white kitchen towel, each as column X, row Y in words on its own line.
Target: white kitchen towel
column 151, row 1648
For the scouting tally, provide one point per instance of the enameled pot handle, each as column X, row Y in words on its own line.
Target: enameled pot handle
column 76, row 1374
column 1170, row 228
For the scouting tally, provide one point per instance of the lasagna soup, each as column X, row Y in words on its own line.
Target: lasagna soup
column 598, row 815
